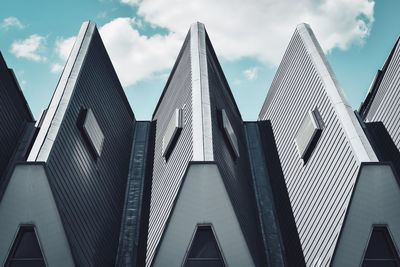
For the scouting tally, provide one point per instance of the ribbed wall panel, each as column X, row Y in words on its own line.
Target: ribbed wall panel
column 319, row 190
column 385, row 105
column 167, row 175
column 89, row 191
column 14, row 113
column 235, row 171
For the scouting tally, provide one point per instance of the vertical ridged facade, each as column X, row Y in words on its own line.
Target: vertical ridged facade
column 198, row 86
column 235, row 171
column 167, row 175
column 319, row 189
column 14, row 114
column 385, row 96
column 103, row 189
column 88, row 189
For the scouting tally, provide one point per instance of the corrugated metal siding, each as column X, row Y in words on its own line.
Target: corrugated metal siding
column 385, row 106
column 236, row 172
column 167, row 175
column 14, row 114
column 319, row 191
column 90, row 193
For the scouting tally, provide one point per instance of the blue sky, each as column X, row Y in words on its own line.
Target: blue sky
column 143, row 38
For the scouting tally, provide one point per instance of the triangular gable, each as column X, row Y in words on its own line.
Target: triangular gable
column 202, row 200
column 375, row 205
column 28, row 200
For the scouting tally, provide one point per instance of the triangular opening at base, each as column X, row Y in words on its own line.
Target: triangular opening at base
column 26, row 250
column 381, row 250
column 204, row 249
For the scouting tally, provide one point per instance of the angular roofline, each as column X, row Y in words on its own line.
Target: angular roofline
column 201, row 102
column 63, row 94
column 171, row 75
column 224, row 80
column 359, row 143
column 19, row 90
column 375, row 84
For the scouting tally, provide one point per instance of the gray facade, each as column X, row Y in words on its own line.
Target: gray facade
column 202, row 92
column 319, row 188
column 88, row 182
column 308, row 184
column 89, row 190
column 167, row 175
column 378, row 189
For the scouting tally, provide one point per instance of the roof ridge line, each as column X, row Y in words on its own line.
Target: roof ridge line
column 201, row 103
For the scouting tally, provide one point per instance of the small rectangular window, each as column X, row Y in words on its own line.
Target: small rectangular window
column 91, row 130
column 26, row 250
column 172, row 133
column 308, row 134
column 229, row 133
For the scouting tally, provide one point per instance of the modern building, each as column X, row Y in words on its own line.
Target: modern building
column 338, row 187
column 308, row 184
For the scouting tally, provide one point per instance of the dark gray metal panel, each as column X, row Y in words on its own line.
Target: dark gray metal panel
column 89, row 191
column 168, row 174
column 14, row 114
column 279, row 228
column 133, row 237
column 319, row 190
column 383, row 105
column 383, row 145
column 235, row 171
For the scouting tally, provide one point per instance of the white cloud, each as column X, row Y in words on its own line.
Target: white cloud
column 64, row 47
column 261, row 29
column 137, row 57
column 251, row 73
column 130, row 2
column 29, row 48
column 258, row 29
column 11, row 22
column 56, row 68
column 101, row 15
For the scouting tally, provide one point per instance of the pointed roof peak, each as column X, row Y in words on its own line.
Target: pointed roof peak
column 197, row 24
column 303, row 25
